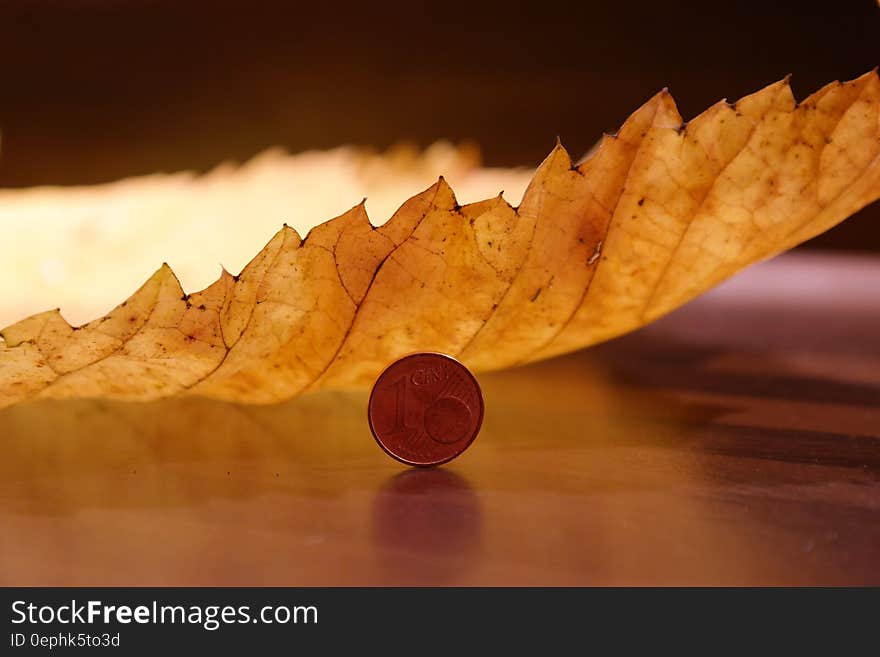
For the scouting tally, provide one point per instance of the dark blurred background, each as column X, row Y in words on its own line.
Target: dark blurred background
column 94, row 90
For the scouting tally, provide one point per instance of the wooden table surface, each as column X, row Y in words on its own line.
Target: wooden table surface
column 736, row 441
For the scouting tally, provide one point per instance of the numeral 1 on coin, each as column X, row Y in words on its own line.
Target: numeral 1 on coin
column 400, row 405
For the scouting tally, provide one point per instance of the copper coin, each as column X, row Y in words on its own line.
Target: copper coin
column 425, row 409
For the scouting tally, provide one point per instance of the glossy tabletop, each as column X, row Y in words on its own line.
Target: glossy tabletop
column 736, row 441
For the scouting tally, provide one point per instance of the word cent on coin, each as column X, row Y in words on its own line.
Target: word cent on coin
column 425, row 409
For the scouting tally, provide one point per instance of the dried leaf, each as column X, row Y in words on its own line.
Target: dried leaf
column 660, row 212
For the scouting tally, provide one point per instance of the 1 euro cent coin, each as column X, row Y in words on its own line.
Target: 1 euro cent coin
column 425, row 409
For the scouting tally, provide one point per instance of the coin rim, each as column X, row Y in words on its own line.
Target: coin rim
column 469, row 440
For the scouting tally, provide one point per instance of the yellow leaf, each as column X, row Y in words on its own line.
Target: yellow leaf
column 658, row 213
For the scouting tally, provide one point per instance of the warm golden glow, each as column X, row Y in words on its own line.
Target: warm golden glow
column 84, row 249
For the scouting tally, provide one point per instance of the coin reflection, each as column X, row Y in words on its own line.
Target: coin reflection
column 427, row 526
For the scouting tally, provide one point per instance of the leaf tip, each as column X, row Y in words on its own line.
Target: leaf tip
column 164, row 272
column 870, row 76
column 226, row 275
column 444, row 196
column 665, row 112
column 558, row 158
column 289, row 232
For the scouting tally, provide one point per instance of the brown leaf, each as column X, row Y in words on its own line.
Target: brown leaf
column 660, row 212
